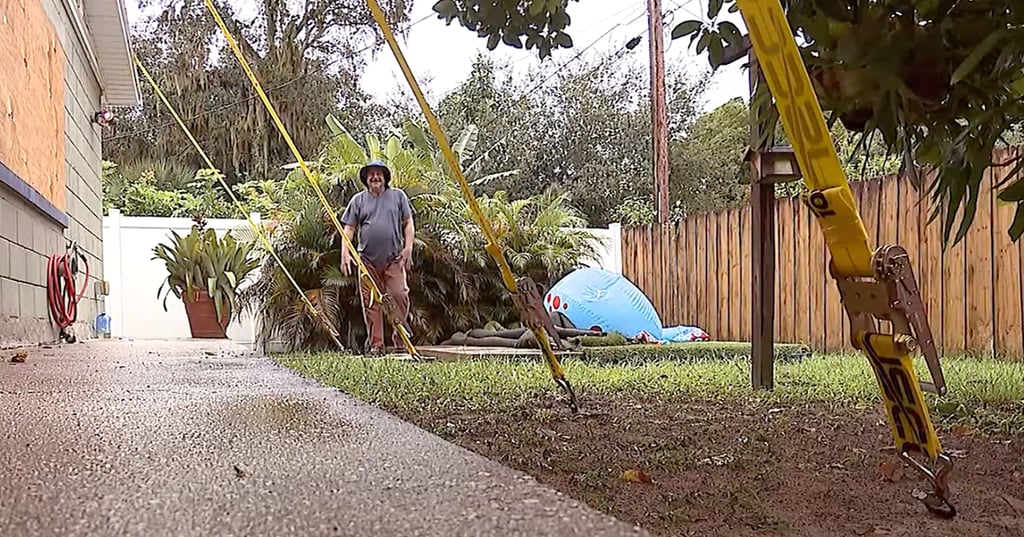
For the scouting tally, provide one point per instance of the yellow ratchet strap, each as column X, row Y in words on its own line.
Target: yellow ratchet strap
column 238, row 204
column 874, row 284
column 364, row 274
column 524, row 291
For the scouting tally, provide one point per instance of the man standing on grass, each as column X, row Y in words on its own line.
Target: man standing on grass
column 383, row 216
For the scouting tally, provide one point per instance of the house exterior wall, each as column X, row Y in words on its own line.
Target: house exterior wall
column 45, row 203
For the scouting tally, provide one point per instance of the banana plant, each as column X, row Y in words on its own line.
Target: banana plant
column 464, row 147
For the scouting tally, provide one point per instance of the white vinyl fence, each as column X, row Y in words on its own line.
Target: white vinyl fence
column 609, row 248
column 134, row 276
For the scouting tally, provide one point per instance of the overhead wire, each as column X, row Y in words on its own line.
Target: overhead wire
column 365, row 276
column 558, row 69
column 543, row 81
column 238, row 204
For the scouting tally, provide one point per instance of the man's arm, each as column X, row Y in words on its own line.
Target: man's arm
column 348, row 221
column 410, row 233
column 350, row 232
column 409, row 229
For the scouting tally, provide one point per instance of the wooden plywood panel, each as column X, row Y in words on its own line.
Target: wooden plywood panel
column 888, row 210
column 954, row 325
column 643, row 258
column 818, row 280
column 786, row 272
column 801, row 279
column 834, row 314
column 1006, row 284
column 736, row 288
column 776, row 303
column 978, row 277
column 747, row 279
column 684, row 271
column 629, row 268
column 908, row 231
column 654, row 283
column 627, row 252
column 724, row 294
column 870, row 192
column 677, row 272
column 671, row 264
column 696, row 273
column 32, row 117
column 703, row 305
column 931, row 266
column 665, row 279
column 714, row 295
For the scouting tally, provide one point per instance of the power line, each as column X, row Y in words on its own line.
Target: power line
column 563, row 66
column 558, row 69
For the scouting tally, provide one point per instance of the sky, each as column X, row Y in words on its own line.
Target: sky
column 441, row 56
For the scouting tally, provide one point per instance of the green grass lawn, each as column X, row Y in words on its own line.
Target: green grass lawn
column 984, row 394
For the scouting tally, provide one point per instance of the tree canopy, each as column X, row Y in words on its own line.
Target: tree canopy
column 586, row 130
column 308, row 61
column 941, row 81
column 539, row 24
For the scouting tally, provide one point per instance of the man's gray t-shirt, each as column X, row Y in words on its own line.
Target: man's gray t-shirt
column 378, row 220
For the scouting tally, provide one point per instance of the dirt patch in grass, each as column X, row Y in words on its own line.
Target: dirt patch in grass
column 741, row 468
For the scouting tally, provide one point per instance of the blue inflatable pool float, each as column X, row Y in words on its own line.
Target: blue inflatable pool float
column 597, row 299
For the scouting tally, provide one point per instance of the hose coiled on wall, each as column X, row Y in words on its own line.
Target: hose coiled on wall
column 61, row 295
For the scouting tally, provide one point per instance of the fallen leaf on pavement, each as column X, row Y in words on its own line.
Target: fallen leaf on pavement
column 635, row 476
column 19, row 357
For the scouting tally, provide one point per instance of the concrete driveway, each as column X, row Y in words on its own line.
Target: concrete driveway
column 200, row 438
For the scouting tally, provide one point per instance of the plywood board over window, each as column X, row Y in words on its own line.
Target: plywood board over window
column 32, row 99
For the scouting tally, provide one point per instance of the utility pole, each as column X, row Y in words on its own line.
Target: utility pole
column 659, row 113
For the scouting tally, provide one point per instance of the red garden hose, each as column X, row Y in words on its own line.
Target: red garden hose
column 60, row 289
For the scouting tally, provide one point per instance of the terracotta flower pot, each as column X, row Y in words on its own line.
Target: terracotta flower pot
column 202, row 317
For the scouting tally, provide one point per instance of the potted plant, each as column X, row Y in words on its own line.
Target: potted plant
column 205, row 271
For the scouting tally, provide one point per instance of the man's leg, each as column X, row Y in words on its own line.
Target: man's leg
column 372, row 315
column 396, row 284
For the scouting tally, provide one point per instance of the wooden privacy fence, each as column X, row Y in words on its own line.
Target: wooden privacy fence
column 697, row 271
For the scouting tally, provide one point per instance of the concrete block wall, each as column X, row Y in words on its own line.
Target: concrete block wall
column 29, row 236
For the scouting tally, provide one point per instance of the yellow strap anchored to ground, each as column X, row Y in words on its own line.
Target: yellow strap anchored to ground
column 364, row 274
column 238, row 205
column 492, row 247
column 855, row 265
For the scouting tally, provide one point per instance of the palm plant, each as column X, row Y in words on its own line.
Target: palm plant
column 454, row 283
column 205, row 269
column 543, row 237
